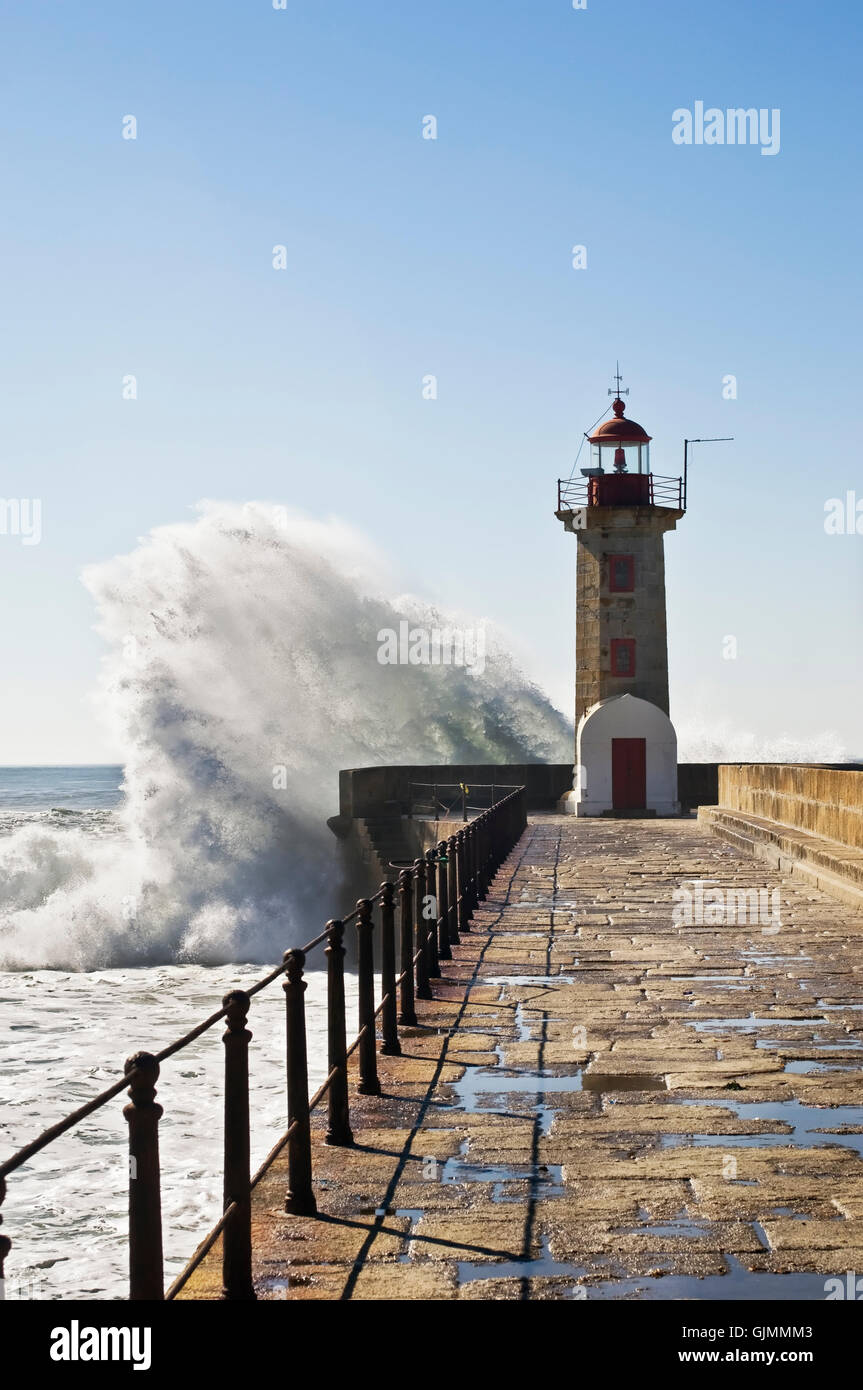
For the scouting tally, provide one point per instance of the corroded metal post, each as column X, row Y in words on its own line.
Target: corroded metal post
column 369, row 1085
column 146, row 1276
column 468, row 868
column 390, row 1047
column 338, row 1111
column 407, row 1009
column 452, row 889
column 443, row 946
column 423, row 989
column 474, row 841
column 5, row 1242
column 300, row 1197
column 462, row 900
column 237, row 1236
column 493, row 838
column 482, row 856
column 432, row 921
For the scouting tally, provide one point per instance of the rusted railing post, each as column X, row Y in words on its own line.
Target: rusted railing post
column 237, row 1236
column 300, row 1197
column 146, row 1276
column 390, row 1047
column 423, row 989
column 462, row 900
column 489, row 870
column 369, row 1085
column 431, row 922
column 338, row 1109
column 469, row 857
column 482, row 856
column 443, row 947
column 407, row 1009
column 452, row 889
column 5, row 1242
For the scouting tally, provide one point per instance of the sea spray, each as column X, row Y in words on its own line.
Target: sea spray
column 700, row 740
column 242, row 672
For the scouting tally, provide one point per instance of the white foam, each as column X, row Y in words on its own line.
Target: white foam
column 254, row 645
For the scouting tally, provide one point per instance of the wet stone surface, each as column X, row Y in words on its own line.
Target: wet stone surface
column 604, row 1100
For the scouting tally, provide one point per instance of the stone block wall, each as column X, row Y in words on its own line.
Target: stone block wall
column 821, row 800
column 603, row 615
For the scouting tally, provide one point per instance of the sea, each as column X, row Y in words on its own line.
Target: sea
column 63, row 1038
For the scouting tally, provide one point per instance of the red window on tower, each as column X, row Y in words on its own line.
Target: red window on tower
column 621, row 574
column 623, row 656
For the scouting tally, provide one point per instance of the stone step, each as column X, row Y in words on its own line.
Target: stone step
column 835, row 868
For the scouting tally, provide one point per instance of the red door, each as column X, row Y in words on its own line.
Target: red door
column 628, row 774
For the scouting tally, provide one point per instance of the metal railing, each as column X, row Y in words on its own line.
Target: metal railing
column 425, row 798
column 455, row 876
column 661, row 491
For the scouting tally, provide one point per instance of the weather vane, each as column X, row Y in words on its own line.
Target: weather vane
column 621, row 391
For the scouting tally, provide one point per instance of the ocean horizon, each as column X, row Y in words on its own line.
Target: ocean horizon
column 61, row 786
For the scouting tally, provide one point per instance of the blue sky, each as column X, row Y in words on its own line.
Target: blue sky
column 406, row 256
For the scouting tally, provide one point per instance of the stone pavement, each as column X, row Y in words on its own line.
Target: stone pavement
column 605, row 1099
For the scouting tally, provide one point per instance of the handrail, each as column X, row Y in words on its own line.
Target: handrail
column 452, row 879
column 662, row 491
column 462, row 788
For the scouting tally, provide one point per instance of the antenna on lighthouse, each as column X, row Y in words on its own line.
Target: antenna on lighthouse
column 723, row 439
column 620, row 391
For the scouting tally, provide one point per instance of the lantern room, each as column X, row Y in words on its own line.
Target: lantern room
column 620, row 445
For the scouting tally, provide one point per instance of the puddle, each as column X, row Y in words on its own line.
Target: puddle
column 758, row 958
column 479, row 1082
column 682, row 1225
column 807, row 1068
column 523, row 1026
column 415, row 1216
column 711, row 979
column 808, row 1123
column 631, row 1081
column 540, row 981
column 737, row 1284
column 546, row 1178
column 714, row 1025
column 542, row 1266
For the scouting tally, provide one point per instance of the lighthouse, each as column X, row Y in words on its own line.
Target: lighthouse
column 619, row 511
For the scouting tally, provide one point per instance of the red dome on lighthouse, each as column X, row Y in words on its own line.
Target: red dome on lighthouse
column 619, row 430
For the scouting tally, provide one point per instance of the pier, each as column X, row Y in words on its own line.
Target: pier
column 600, row 1100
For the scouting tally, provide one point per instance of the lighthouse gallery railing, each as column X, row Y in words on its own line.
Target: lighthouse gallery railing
column 659, row 491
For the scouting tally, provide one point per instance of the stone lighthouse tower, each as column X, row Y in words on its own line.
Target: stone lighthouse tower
column 619, row 511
